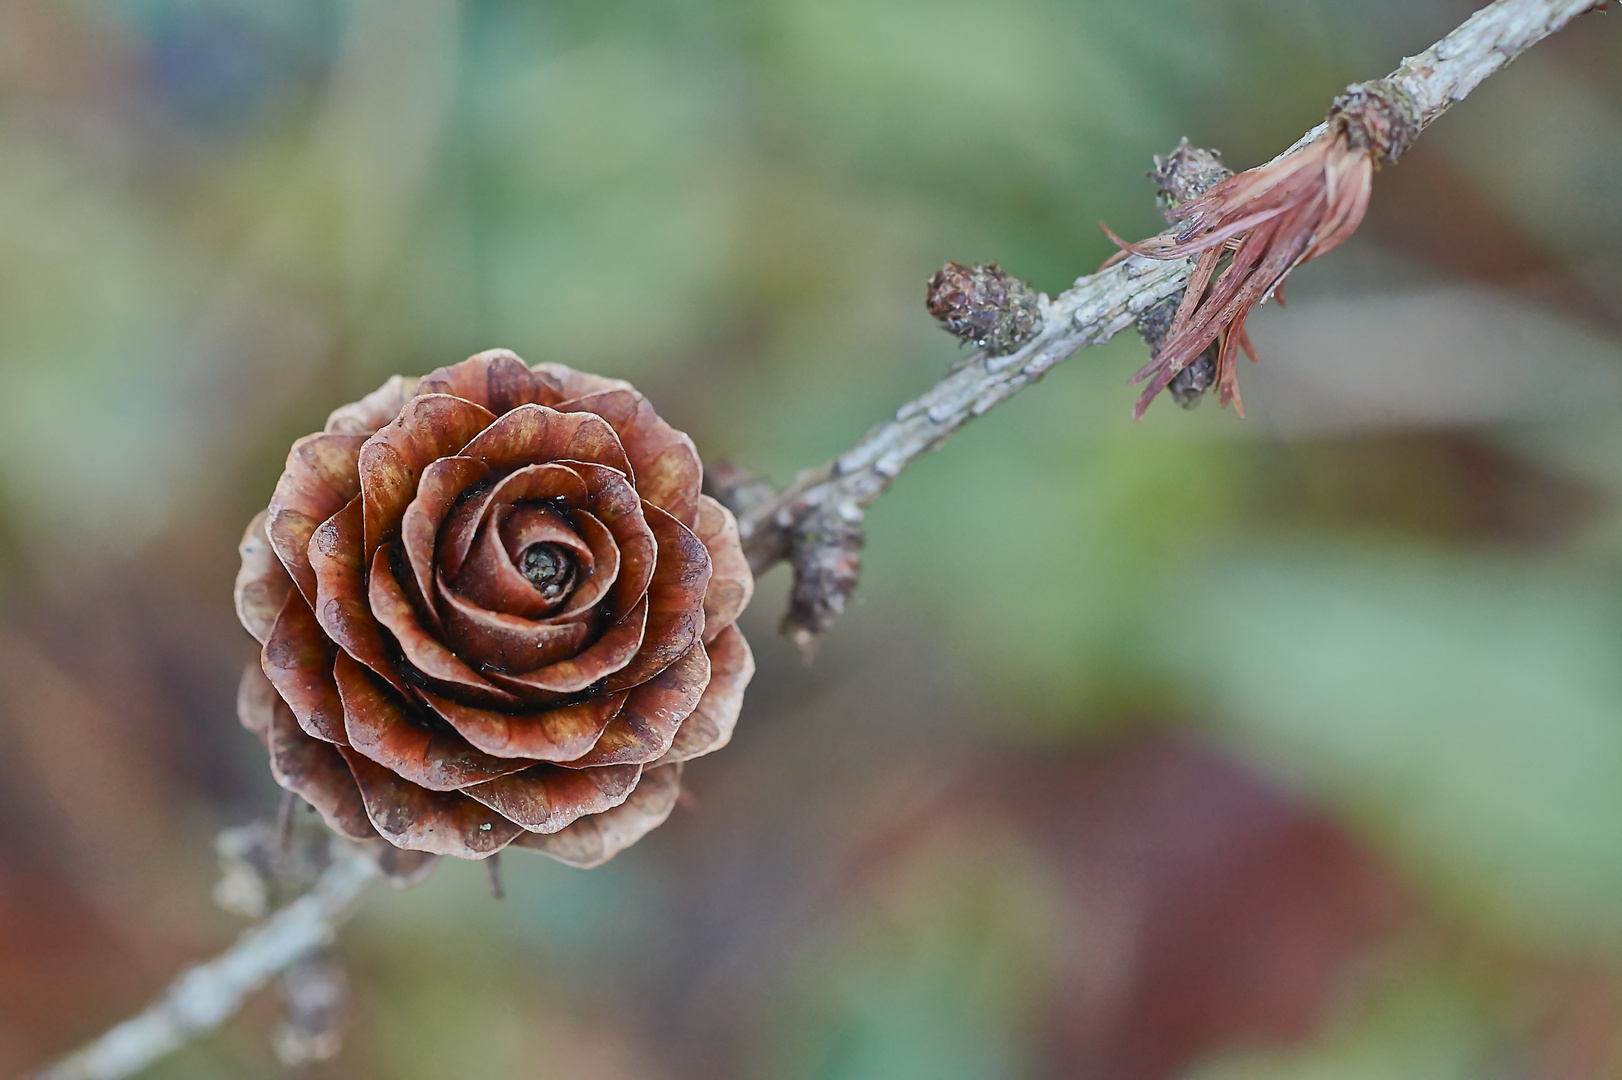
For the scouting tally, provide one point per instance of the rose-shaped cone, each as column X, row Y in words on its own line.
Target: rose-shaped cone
column 494, row 609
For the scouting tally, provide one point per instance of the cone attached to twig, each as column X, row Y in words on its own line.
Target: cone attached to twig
column 495, row 610
column 1249, row 231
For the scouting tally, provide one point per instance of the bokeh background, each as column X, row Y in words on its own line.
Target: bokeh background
column 1199, row 748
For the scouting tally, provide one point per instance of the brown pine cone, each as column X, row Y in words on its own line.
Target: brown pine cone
column 495, row 609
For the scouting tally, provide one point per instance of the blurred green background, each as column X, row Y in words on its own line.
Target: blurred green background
column 1278, row 749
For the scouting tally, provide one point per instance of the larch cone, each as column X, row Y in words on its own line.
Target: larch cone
column 495, row 611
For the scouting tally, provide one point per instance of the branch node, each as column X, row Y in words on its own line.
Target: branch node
column 827, row 558
column 985, row 306
column 1377, row 117
column 1189, row 385
column 1184, row 173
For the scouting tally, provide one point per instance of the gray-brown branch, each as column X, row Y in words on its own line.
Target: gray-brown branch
column 816, row 523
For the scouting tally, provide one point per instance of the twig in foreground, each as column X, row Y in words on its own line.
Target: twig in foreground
column 209, row 994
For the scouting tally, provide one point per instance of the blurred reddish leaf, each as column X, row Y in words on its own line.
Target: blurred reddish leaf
column 1212, row 908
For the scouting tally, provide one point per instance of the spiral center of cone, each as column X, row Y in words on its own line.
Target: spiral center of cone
column 550, row 568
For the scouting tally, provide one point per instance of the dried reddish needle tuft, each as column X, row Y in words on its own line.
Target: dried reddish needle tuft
column 1270, row 220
